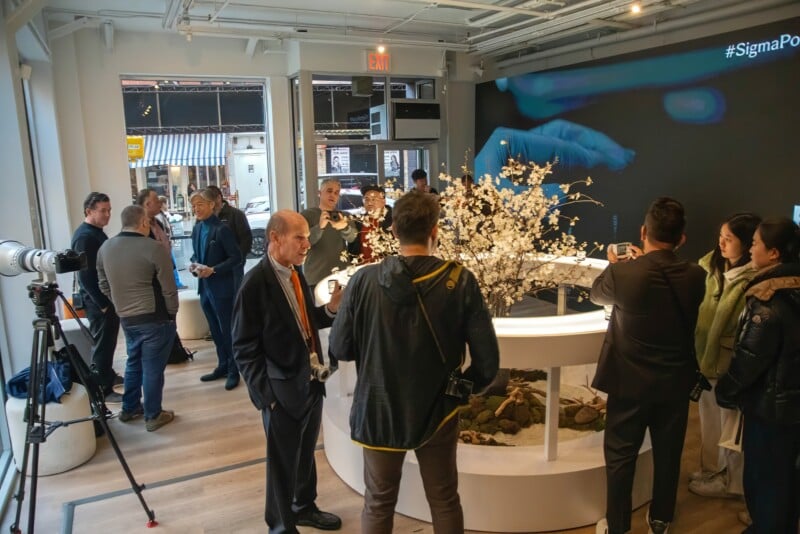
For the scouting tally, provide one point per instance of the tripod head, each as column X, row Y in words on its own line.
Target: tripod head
column 43, row 294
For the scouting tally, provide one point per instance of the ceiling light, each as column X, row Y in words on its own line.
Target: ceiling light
column 636, row 9
column 381, row 49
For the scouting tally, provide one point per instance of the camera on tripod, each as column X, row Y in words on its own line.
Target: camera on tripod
column 16, row 258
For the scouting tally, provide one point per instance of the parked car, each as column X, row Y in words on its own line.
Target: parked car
column 258, row 226
column 257, row 205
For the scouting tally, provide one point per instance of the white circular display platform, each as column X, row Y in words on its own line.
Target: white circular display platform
column 554, row 486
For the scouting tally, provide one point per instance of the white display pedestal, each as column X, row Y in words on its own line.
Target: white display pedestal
column 554, row 486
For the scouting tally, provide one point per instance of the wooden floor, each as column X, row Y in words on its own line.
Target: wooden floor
column 205, row 474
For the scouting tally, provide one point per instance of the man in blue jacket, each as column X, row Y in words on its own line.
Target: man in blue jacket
column 215, row 262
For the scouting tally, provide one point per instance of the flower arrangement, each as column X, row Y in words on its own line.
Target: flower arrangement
column 509, row 238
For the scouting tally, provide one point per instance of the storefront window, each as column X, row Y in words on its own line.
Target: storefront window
column 353, row 165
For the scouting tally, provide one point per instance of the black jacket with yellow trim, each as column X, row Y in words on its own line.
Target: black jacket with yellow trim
column 399, row 400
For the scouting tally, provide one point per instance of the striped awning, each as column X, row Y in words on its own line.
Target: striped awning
column 183, row 149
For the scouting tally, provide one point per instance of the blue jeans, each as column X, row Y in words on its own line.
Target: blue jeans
column 148, row 348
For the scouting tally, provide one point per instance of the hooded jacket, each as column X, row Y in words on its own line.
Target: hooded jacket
column 399, row 400
column 764, row 376
column 718, row 317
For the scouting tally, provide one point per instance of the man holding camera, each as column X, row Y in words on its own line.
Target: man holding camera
column 405, row 322
column 331, row 231
column 276, row 345
column 647, row 364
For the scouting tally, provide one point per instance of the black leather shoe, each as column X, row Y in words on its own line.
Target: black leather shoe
column 232, row 381
column 216, row 374
column 314, row 517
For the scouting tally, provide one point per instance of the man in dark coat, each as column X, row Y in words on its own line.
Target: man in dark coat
column 215, row 261
column 236, row 220
column 410, row 380
column 275, row 343
column 647, row 364
column 103, row 319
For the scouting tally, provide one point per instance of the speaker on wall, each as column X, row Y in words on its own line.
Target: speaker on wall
column 362, row 86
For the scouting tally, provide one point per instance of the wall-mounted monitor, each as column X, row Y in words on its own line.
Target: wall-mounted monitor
column 712, row 122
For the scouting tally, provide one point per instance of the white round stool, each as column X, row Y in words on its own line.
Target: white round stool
column 191, row 321
column 67, row 447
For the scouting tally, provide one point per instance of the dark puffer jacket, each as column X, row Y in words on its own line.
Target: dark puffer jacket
column 399, row 400
column 764, row 376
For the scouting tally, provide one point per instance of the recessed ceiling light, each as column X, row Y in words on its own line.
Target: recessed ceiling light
column 636, row 9
column 381, row 49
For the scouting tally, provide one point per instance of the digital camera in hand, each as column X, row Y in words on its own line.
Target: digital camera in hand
column 335, row 216
column 319, row 372
column 620, row 249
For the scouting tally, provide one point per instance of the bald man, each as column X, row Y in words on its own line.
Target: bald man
column 275, row 338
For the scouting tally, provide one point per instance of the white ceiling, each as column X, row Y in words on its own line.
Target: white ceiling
column 496, row 30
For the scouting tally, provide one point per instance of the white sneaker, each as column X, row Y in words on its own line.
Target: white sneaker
column 601, row 527
column 700, row 475
column 716, row 487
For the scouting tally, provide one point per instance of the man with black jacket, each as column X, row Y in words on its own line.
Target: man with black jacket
column 236, row 220
column 103, row 320
column 406, row 322
column 647, row 364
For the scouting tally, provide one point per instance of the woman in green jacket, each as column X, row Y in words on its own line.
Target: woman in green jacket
column 729, row 270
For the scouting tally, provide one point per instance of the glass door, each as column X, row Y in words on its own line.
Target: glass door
column 400, row 161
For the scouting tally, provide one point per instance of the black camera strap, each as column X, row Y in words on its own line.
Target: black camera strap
column 455, row 273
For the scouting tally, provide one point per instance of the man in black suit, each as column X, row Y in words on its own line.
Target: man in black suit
column 275, row 337
column 647, row 364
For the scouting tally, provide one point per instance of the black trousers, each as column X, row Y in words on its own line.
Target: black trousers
column 105, row 330
column 626, row 422
column 771, row 475
column 291, row 467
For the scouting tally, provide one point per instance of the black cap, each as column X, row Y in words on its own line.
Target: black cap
column 372, row 187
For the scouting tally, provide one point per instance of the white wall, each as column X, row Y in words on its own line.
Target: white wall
column 16, row 219
column 90, row 107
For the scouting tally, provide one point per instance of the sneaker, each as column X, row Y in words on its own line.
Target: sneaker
column 163, row 418
column 700, row 475
column 601, row 527
column 715, row 487
column 112, row 397
column 744, row 517
column 656, row 526
column 130, row 416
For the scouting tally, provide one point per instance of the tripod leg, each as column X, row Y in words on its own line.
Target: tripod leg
column 35, row 432
column 101, row 416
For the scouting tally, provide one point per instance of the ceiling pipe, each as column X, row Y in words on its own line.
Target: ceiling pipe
column 215, row 15
column 746, row 7
column 594, row 26
column 608, row 9
column 498, row 17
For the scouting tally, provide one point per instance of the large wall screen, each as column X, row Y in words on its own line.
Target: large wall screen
column 714, row 123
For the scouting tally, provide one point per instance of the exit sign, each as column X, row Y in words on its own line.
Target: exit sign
column 377, row 62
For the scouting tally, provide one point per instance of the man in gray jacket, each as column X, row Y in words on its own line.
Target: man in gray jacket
column 136, row 274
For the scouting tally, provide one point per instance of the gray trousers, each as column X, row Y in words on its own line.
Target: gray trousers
column 437, row 465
